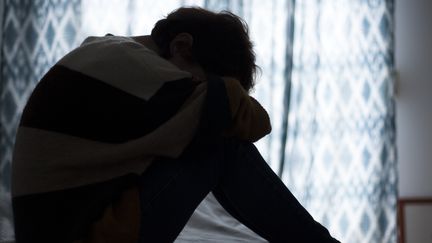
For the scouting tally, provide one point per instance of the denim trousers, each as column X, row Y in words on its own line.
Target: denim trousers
column 242, row 182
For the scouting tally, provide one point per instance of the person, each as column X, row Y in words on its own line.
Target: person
column 125, row 137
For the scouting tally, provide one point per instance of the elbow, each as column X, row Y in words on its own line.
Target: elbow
column 261, row 131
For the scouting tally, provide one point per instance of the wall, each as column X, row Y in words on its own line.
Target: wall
column 414, row 100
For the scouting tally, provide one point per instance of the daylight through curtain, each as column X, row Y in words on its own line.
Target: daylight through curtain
column 35, row 34
column 326, row 81
column 340, row 157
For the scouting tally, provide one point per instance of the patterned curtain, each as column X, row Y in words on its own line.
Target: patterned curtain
column 340, row 154
column 326, row 80
column 35, row 34
column 123, row 17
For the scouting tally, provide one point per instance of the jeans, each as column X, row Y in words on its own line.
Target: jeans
column 242, row 182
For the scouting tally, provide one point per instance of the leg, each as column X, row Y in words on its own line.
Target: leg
column 171, row 190
column 251, row 192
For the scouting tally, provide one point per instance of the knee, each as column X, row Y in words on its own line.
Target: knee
column 239, row 151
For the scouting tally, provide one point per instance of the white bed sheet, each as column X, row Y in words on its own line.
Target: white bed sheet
column 212, row 223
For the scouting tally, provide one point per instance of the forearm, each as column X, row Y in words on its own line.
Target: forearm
column 250, row 120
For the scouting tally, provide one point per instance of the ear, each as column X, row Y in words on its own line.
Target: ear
column 181, row 46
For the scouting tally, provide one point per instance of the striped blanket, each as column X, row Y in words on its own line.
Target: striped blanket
column 97, row 120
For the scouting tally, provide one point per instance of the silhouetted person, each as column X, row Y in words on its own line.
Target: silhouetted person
column 125, row 136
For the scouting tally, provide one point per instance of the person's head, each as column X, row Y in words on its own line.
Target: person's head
column 217, row 42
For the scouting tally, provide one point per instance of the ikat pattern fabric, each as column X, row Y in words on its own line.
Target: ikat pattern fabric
column 340, row 155
column 326, row 80
column 36, row 33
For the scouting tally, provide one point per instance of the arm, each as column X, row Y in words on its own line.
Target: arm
column 250, row 120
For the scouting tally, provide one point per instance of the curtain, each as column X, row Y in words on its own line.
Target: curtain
column 35, row 34
column 340, row 155
column 326, row 81
column 271, row 30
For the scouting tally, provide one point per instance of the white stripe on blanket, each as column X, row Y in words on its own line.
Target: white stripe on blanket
column 124, row 64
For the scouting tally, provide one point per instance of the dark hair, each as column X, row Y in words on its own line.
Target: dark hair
column 221, row 42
